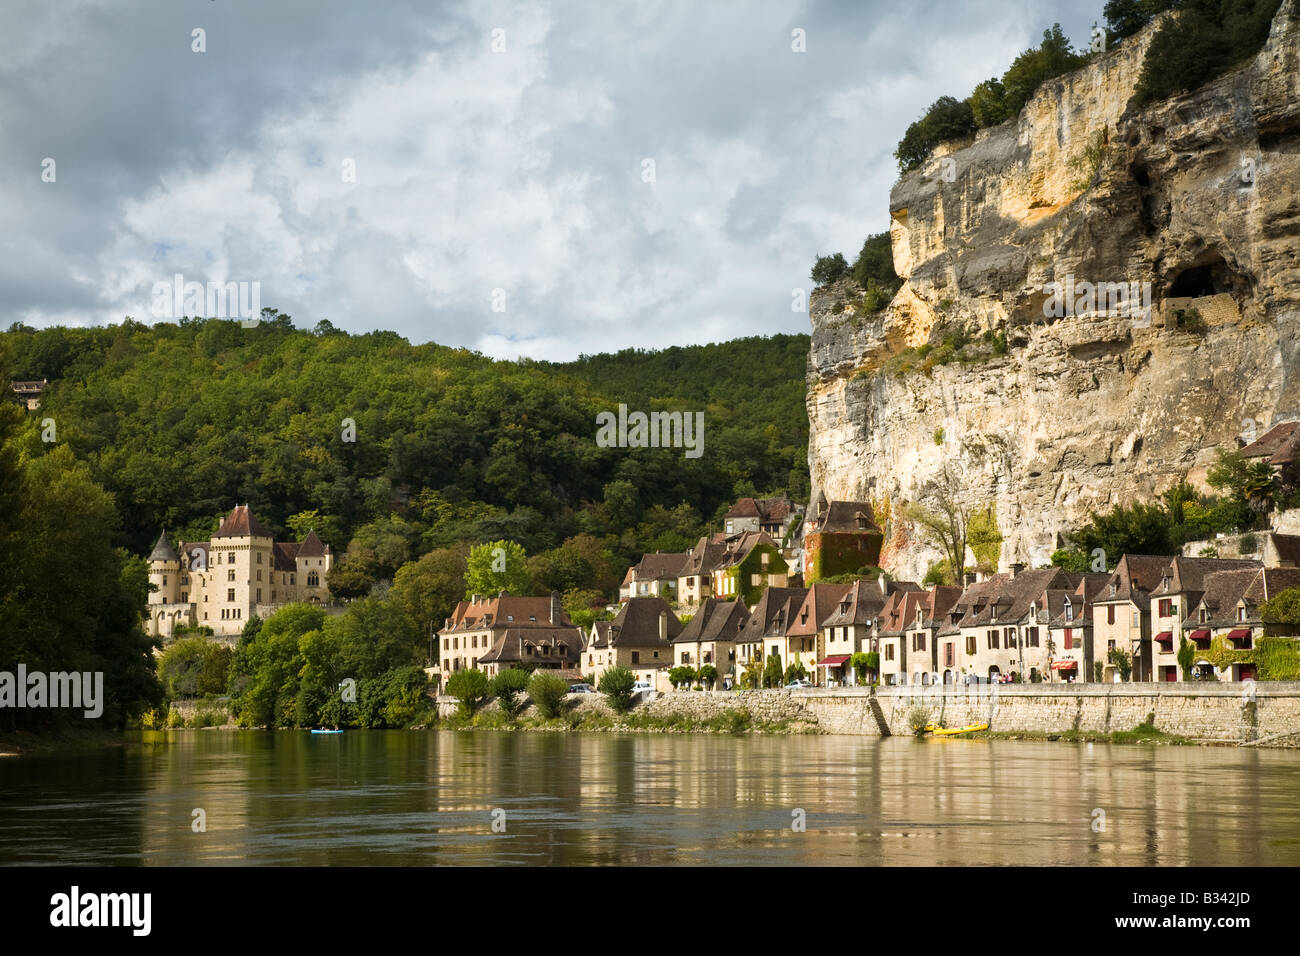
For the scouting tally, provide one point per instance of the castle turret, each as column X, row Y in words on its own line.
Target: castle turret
column 164, row 571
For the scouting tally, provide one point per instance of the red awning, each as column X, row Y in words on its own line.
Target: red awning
column 1238, row 634
column 1164, row 636
column 1201, row 635
column 1064, row 665
column 835, row 660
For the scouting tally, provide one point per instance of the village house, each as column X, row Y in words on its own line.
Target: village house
column 775, row 516
column 655, row 575
column 1182, row 585
column 1227, row 624
column 241, row 572
column 993, row 625
column 902, row 608
column 639, row 638
column 1057, row 637
column 1279, row 446
column 710, row 637
column 750, row 563
column 493, row 634
column 839, row 537
column 695, row 580
column 764, row 632
column 849, row 630
column 803, row 635
column 1121, row 615
column 920, row 641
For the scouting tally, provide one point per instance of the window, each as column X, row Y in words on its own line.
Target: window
column 1031, row 637
column 1069, row 610
column 947, row 654
column 259, row 558
column 230, row 594
column 970, row 644
column 1241, row 614
column 1069, row 639
column 446, row 643
column 889, row 651
column 918, row 642
column 1166, row 607
column 230, row 575
column 1010, row 635
column 636, row 657
column 1137, row 620
column 1203, row 616
column 992, row 638
column 259, row 595
column 313, row 579
column 164, row 580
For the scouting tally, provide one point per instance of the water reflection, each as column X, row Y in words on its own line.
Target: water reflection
column 432, row 798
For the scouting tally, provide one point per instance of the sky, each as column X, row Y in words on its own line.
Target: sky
column 538, row 180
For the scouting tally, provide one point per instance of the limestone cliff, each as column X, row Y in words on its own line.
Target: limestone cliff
column 1198, row 195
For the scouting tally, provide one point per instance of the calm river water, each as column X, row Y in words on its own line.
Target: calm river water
column 414, row 798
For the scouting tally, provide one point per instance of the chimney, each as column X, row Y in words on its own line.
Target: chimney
column 1016, row 569
column 478, row 599
column 557, row 609
column 970, row 578
column 663, row 626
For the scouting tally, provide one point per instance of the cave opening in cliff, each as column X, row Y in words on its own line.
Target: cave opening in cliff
column 1209, row 275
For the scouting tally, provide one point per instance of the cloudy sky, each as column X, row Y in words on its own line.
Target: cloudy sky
column 538, row 180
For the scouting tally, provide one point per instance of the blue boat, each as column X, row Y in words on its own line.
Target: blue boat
column 327, row 731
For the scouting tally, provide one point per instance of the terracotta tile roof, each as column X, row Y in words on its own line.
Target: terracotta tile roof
column 714, row 621
column 1134, row 578
column 744, row 508
column 503, row 611
column 311, row 546
column 1188, row 574
column 705, row 557
column 1278, row 445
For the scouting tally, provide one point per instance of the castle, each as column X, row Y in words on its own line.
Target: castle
column 242, row 571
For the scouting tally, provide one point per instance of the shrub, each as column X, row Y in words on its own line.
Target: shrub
column 470, row 687
column 207, row 718
column 685, row 674
column 1123, row 660
column 547, row 692
column 174, row 719
column 946, row 118
column 508, row 687
column 1247, row 544
column 1282, row 608
column 708, row 675
column 1097, row 668
column 795, row 671
column 938, row 436
column 875, row 265
column 616, row 684
column 735, row 721
column 917, row 719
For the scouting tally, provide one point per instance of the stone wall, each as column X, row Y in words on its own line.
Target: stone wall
column 1229, row 713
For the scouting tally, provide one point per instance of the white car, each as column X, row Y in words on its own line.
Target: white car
column 799, row 683
column 642, row 685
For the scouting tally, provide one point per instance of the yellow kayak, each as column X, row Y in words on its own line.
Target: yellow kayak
column 952, row 731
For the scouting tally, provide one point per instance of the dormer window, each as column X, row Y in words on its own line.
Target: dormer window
column 1203, row 616
column 1241, row 613
column 1069, row 610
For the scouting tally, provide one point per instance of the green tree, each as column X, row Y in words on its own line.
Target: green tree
column 772, row 671
column 1282, row 608
column 683, row 674
column 708, row 675
column 497, row 566
column 470, row 687
column 616, row 684
column 828, row 269
column 547, row 692
column 508, row 687
column 988, row 103
column 1123, row 660
column 1186, row 657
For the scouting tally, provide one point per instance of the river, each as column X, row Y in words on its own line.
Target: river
column 442, row 797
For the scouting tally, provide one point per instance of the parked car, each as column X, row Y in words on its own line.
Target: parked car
column 581, row 689
column 799, row 683
column 642, row 685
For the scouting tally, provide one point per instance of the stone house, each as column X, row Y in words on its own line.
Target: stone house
column 923, row 657
column 492, row 634
column 903, row 610
column 764, row 632
column 1121, row 615
column 1279, row 446
column 655, row 575
column 1181, row 587
column 840, row 537
column 695, row 580
column 1057, row 638
column 803, row 635
column 994, row 626
column 850, row 630
column 1227, row 625
column 750, row 563
column 773, row 516
column 710, row 637
column 639, row 638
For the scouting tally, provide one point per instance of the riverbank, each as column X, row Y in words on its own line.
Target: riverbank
column 21, row 743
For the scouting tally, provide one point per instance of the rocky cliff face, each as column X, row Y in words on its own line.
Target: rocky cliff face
column 1197, row 196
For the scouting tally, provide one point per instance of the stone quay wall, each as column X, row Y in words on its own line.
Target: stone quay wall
column 1263, row 713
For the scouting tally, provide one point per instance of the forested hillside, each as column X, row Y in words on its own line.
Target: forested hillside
column 182, row 421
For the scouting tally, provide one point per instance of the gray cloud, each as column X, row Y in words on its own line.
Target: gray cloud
column 518, row 171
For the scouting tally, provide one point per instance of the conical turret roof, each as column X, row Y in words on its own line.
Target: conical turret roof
column 163, row 550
